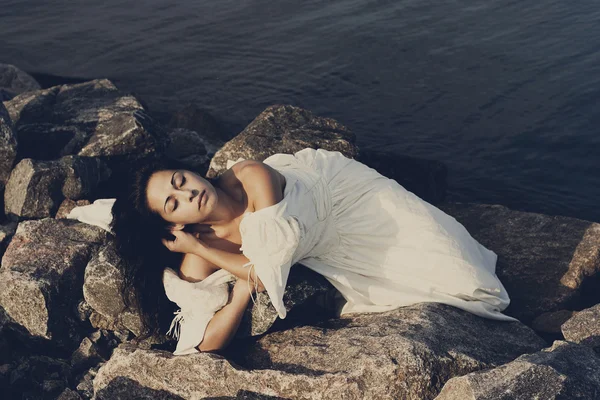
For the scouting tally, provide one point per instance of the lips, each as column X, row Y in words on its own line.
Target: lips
column 200, row 198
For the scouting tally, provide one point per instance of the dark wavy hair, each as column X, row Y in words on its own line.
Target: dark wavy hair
column 137, row 235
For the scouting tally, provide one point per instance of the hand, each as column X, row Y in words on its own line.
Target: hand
column 184, row 242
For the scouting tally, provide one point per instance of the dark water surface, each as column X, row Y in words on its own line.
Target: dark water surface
column 506, row 93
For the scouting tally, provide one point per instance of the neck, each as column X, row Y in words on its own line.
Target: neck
column 227, row 209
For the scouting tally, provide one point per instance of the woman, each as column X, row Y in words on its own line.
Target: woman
column 379, row 245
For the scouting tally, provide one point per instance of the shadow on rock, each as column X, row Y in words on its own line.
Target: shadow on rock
column 125, row 388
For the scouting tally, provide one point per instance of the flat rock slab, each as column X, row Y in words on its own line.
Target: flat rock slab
column 408, row 353
column 42, row 273
column 544, row 261
column 284, row 129
column 563, row 371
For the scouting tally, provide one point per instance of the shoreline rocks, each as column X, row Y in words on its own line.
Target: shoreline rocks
column 61, row 311
column 563, row 371
column 407, row 353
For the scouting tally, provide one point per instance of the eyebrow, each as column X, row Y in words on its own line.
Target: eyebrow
column 172, row 178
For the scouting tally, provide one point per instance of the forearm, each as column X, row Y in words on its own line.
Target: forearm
column 224, row 324
column 231, row 262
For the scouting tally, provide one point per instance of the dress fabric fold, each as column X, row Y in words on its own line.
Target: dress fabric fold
column 270, row 243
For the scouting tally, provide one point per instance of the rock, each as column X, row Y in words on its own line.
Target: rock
column 563, row 371
column 85, row 385
column 408, row 353
column 193, row 118
column 101, row 290
column 91, row 119
column 5, row 345
column 86, row 356
column 584, row 328
column 8, row 146
column 82, row 176
column 51, row 386
column 6, row 94
column 8, row 153
column 425, row 178
column 544, row 261
column 36, row 189
column 7, row 231
column 190, row 148
column 40, row 377
column 303, row 286
column 69, row 394
column 284, row 129
column 83, row 311
column 33, row 190
column 67, row 205
column 551, row 322
column 42, row 275
column 14, row 81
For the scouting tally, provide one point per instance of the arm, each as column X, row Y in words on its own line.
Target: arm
column 231, row 262
column 223, row 325
column 195, row 268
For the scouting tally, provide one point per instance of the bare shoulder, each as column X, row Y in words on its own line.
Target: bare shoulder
column 263, row 184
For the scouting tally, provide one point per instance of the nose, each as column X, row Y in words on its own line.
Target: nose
column 194, row 194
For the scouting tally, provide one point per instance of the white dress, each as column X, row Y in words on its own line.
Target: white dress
column 381, row 246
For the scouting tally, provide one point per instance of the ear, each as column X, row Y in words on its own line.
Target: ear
column 176, row 227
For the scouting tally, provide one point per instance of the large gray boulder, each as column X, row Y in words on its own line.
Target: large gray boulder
column 92, row 119
column 544, row 261
column 42, row 275
column 36, row 189
column 284, row 129
column 584, row 327
column 563, row 371
column 408, row 353
column 33, row 190
column 101, row 290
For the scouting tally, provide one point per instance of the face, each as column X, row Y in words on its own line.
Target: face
column 174, row 195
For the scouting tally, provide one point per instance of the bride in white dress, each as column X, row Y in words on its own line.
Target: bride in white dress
column 380, row 246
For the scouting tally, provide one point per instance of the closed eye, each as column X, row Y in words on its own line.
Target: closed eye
column 175, row 202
